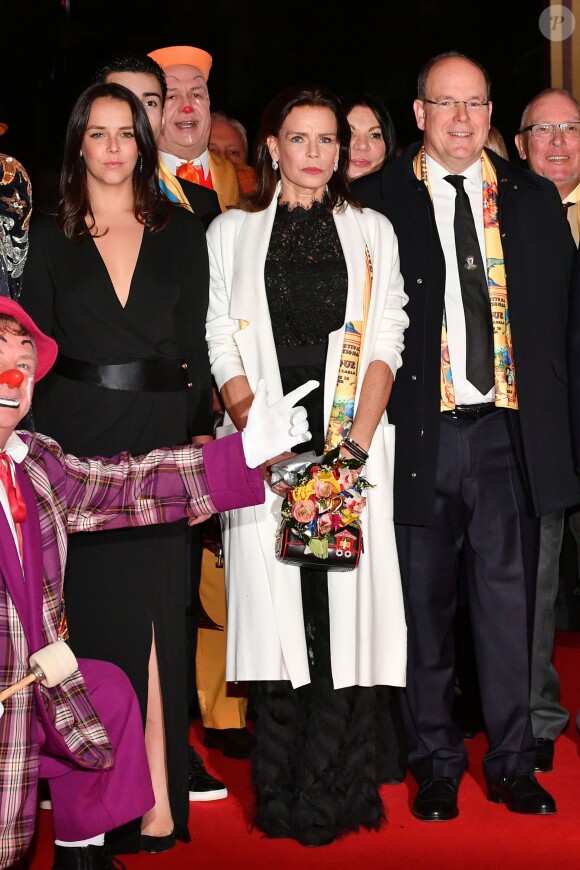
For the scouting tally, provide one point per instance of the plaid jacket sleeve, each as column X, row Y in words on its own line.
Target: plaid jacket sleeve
column 164, row 486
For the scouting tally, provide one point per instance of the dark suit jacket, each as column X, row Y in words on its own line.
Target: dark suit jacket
column 538, row 251
column 203, row 201
column 574, row 359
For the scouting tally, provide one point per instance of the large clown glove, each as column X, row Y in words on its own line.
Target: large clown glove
column 275, row 429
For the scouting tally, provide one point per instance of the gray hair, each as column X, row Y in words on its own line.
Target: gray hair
column 562, row 92
column 221, row 116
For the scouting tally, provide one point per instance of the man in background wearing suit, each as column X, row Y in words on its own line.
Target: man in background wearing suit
column 549, row 139
column 185, row 136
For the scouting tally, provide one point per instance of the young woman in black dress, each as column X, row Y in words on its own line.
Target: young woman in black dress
column 120, row 280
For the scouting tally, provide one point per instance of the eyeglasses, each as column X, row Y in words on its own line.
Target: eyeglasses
column 447, row 105
column 546, row 131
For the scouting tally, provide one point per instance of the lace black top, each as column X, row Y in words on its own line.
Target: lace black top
column 306, row 277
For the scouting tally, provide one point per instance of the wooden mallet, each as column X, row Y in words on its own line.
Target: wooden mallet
column 50, row 666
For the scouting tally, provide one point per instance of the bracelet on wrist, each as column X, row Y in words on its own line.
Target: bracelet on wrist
column 356, row 450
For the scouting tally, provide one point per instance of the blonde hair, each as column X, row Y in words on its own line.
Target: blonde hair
column 495, row 142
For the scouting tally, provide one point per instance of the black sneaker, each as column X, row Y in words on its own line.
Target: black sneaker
column 203, row 786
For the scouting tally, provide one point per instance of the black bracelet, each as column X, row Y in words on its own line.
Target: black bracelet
column 356, row 450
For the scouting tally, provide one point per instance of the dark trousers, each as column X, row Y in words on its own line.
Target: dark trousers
column 481, row 504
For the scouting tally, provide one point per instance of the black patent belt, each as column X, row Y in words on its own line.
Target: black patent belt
column 140, row 375
column 472, row 412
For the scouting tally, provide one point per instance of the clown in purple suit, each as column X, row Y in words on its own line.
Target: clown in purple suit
column 85, row 734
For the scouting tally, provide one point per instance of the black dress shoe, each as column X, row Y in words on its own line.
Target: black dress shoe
column 233, row 742
column 544, row 761
column 85, row 858
column 157, row 844
column 522, row 793
column 437, row 800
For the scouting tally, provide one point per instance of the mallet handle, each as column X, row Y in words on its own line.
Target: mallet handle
column 21, row 684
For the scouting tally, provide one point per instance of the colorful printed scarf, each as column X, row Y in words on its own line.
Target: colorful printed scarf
column 342, row 413
column 171, row 186
column 504, row 367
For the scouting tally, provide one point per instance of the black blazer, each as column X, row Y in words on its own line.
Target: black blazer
column 574, row 360
column 204, row 202
column 539, row 251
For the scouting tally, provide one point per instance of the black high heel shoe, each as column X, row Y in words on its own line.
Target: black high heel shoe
column 157, row 844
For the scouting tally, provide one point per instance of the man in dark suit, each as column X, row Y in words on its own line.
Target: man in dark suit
column 483, row 441
column 549, row 139
column 145, row 78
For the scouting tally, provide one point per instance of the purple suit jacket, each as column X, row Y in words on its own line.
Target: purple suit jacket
column 63, row 495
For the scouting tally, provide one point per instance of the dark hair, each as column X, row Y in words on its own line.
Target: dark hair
column 150, row 207
column 381, row 113
column 273, row 118
column 132, row 63
column 448, row 55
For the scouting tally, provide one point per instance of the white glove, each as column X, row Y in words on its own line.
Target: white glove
column 274, row 429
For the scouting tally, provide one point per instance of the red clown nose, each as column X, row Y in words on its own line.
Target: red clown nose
column 12, row 378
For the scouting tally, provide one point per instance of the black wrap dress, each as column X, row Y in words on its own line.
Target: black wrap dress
column 121, row 586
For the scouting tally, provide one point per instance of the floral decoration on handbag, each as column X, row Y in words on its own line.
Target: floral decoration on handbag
column 320, row 525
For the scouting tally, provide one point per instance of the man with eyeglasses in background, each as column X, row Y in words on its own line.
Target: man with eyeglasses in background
column 483, row 440
column 549, row 139
column 184, row 140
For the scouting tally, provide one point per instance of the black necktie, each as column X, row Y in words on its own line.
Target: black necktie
column 474, row 292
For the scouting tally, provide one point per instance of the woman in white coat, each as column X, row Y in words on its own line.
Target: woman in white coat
column 287, row 274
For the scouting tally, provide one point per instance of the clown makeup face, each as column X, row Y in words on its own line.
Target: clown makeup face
column 187, row 113
column 17, row 367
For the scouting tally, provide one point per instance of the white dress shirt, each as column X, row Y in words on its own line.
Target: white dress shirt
column 443, row 195
column 16, row 450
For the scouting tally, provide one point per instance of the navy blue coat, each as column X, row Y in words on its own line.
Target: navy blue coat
column 539, row 252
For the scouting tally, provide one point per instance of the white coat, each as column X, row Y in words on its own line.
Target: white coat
column 265, row 622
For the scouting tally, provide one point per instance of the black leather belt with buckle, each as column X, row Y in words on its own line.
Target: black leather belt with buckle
column 472, row 412
column 140, row 375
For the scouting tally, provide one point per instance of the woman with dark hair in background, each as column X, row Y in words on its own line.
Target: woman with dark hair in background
column 372, row 134
column 290, row 277
column 120, row 280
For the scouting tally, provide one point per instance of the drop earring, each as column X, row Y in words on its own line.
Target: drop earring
column 274, row 165
column 336, row 164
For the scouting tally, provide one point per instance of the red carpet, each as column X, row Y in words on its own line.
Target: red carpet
column 484, row 836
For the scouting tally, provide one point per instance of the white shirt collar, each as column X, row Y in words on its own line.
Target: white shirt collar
column 472, row 174
column 172, row 162
column 16, row 448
